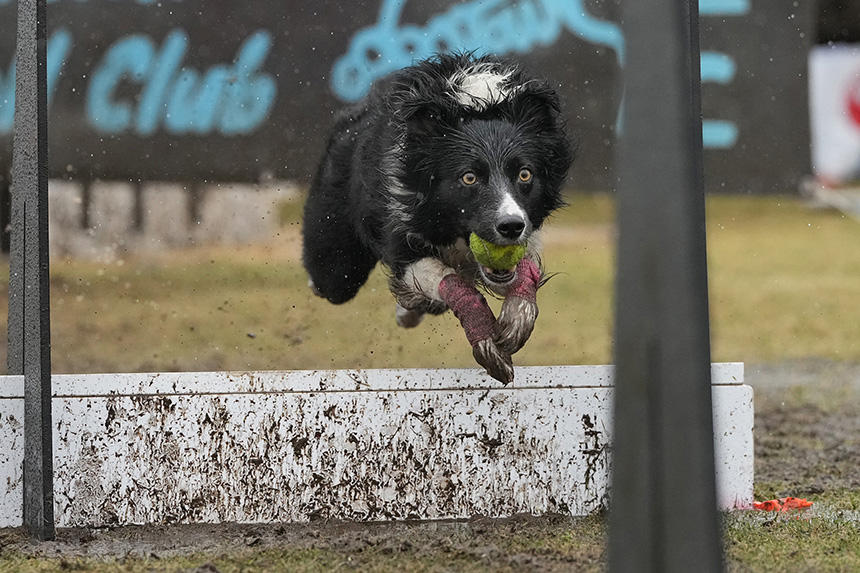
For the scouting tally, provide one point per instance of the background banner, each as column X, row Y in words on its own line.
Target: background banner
column 198, row 91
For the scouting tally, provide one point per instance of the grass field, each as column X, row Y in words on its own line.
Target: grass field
column 784, row 289
column 783, row 284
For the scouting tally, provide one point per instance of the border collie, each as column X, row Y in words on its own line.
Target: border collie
column 451, row 146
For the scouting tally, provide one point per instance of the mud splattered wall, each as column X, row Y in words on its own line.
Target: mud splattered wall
column 356, row 445
column 193, row 91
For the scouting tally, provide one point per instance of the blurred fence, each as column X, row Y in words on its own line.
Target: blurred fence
column 193, row 91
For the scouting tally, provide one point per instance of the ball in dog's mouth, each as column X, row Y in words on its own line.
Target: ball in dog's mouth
column 497, row 262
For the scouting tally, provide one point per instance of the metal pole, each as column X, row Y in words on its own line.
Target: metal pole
column 663, row 515
column 29, row 306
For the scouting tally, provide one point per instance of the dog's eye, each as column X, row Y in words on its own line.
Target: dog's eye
column 469, row 178
column 525, row 175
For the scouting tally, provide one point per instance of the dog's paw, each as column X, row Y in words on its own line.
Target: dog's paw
column 515, row 323
column 497, row 362
column 407, row 318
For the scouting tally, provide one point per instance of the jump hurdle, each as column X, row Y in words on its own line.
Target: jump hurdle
column 359, row 445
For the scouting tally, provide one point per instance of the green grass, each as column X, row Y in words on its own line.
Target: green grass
column 791, row 542
column 783, row 285
column 783, row 280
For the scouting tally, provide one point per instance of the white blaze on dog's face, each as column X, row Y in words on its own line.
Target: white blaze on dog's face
column 509, row 208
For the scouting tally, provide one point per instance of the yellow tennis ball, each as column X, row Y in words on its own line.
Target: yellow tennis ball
column 497, row 257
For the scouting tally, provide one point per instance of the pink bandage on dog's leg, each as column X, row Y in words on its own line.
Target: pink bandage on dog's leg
column 469, row 306
column 526, row 283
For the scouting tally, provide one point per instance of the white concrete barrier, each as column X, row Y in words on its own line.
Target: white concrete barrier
column 355, row 445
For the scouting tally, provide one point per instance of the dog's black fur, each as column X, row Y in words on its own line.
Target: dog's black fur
column 390, row 187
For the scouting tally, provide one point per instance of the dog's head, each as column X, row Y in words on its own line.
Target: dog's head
column 485, row 148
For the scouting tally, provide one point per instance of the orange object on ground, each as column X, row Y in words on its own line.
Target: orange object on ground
column 782, row 504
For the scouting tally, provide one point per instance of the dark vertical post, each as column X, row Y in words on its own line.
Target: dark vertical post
column 29, row 306
column 663, row 514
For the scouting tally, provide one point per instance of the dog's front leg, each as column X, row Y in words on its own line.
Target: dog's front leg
column 479, row 324
column 438, row 282
column 519, row 310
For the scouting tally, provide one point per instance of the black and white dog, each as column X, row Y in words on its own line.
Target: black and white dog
column 451, row 146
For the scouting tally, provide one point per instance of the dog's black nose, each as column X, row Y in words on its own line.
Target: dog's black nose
column 511, row 227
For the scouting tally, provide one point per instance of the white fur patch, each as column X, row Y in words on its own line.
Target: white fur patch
column 510, row 208
column 425, row 275
column 392, row 169
column 391, row 166
column 480, row 86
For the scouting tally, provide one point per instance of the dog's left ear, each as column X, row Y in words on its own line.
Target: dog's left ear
column 537, row 101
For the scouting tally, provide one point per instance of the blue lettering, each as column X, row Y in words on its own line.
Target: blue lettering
column 719, row 134
column 724, row 7
column 130, row 57
column 498, row 26
column 231, row 100
column 7, row 99
column 720, row 68
column 717, row 68
column 234, row 99
column 194, row 102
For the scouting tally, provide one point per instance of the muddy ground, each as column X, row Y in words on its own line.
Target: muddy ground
column 807, row 426
column 807, row 443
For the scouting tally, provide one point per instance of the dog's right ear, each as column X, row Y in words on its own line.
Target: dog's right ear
column 416, row 101
column 420, row 113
